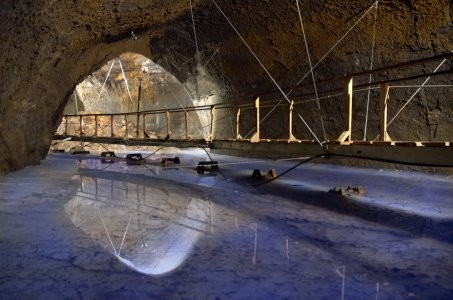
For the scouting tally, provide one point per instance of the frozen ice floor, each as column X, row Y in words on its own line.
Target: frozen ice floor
column 85, row 230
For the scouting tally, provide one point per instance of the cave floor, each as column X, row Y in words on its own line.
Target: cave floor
column 80, row 229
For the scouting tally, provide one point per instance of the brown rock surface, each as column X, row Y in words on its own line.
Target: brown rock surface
column 48, row 47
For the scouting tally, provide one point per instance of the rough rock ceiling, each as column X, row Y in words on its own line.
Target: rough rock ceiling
column 50, row 46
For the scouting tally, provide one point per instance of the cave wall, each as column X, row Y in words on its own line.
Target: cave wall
column 48, row 47
column 405, row 30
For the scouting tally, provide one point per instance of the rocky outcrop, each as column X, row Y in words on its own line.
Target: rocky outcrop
column 48, row 47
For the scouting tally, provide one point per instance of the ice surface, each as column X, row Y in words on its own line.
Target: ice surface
column 195, row 236
column 152, row 228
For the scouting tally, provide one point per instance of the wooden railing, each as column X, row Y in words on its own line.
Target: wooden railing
column 139, row 128
column 136, row 125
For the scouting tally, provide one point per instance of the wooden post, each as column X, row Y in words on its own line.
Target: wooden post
column 168, row 124
column 238, row 121
column 138, row 107
column 137, row 132
column 383, row 98
column 111, row 126
column 80, row 125
column 347, row 135
column 144, row 126
column 96, row 125
column 66, row 125
column 291, row 137
column 256, row 137
column 211, row 134
column 127, row 125
column 187, row 125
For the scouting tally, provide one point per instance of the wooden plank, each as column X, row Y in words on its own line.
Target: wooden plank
column 383, row 98
column 256, row 137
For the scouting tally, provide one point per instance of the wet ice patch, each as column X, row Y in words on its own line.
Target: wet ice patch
column 151, row 228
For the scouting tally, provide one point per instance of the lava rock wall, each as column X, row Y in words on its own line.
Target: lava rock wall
column 48, row 47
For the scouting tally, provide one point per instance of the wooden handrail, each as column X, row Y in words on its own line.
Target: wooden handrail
column 270, row 102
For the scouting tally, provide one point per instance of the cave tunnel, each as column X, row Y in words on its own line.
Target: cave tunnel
column 212, row 149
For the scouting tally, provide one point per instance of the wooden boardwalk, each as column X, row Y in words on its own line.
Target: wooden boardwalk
column 135, row 128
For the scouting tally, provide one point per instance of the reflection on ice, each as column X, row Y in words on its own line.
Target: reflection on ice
column 254, row 227
column 150, row 228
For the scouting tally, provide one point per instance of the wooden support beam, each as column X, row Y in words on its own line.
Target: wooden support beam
column 347, row 135
column 408, row 154
column 291, row 137
column 167, row 114
column 137, row 133
column 211, row 133
column 126, row 135
column 80, row 125
column 256, row 137
column 138, row 108
column 111, row 126
column 95, row 125
column 238, row 121
column 66, row 126
column 383, row 98
column 187, row 125
column 144, row 126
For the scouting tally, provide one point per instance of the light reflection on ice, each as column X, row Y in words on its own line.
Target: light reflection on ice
column 150, row 228
column 208, row 181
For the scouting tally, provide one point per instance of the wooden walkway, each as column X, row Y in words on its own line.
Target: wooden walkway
column 133, row 128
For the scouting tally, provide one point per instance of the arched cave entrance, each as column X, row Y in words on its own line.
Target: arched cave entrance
column 133, row 83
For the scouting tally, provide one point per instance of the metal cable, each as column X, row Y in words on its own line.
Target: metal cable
column 125, row 80
column 264, row 68
column 105, row 81
column 371, row 68
column 314, row 67
column 311, row 71
column 415, row 93
column 194, row 32
column 289, row 170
